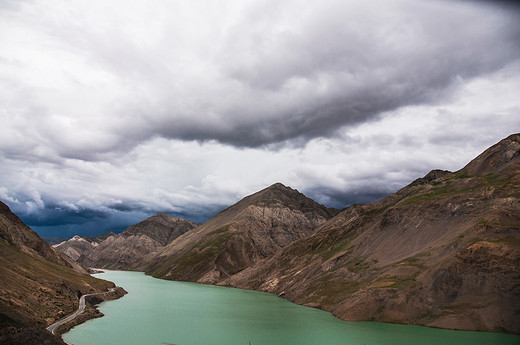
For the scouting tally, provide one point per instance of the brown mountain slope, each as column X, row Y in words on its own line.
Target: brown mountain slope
column 38, row 285
column 443, row 251
column 236, row 238
column 18, row 235
column 127, row 249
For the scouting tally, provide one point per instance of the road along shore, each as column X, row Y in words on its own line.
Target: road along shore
column 112, row 293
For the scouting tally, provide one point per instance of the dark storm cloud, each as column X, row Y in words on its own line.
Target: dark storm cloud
column 194, row 213
column 59, row 221
column 52, row 222
column 55, row 216
column 93, row 227
column 334, row 69
column 276, row 73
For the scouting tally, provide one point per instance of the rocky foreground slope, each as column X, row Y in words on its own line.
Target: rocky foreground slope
column 38, row 284
column 444, row 251
column 125, row 250
column 236, row 238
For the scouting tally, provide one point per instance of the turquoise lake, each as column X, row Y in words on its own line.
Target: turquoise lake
column 162, row 312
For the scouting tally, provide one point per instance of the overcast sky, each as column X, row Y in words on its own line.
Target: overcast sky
column 114, row 110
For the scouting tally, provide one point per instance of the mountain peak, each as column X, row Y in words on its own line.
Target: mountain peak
column 277, row 188
column 237, row 237
column 278, row 185
column 159, row 227
column 496, row 158
column 124, row 250
column 278, row 194
column 443, row 241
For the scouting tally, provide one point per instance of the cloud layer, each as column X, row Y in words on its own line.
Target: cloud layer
column 114, row 111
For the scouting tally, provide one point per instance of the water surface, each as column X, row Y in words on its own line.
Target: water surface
column 159, row 312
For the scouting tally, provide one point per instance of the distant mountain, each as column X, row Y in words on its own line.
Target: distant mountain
column 99, row 238
column 443, row 251
column 75, row 247
column 236, row 238
column 38, row 284
column 125, row 250
column 79, row 245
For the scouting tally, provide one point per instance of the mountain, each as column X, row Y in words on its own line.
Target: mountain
column 38, row 284
column 236, row 238
column 99, row 238
column 125, row 250
column 74, row 247
column 443, row 251
column 79, row 245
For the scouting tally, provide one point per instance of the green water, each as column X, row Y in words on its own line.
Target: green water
column 164, row 312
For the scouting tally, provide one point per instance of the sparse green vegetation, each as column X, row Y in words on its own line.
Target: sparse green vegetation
column 476, row 239
column 448, row 187
column 358, row 266
column 485, row 222
column 513, row 241
column 461, row 174
column 405, row 282
column 332, row 252
column 220, row 230
column 412, row 261
column 497, row 181
column 334, row 291
column 197, row 259
column 442, row 191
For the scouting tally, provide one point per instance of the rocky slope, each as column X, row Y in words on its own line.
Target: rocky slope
column 443, row 251
column 126, row 250
column 236, row 238
column 38, row 284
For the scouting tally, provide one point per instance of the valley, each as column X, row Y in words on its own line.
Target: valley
column 442, row 252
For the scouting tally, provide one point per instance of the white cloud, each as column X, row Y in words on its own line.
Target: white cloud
column 107, row 76
column 187, row 106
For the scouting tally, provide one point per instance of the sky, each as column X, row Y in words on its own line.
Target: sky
column 113, row 111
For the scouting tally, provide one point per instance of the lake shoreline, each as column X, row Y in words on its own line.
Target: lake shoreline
column 164, row 311
column 312, row 305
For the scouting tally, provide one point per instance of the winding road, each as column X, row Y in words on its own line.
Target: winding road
column 80, row 310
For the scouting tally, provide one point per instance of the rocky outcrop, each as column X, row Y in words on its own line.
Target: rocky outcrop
column 38, row 284
column 236, row 238
column 126, row 250
column 443, row 251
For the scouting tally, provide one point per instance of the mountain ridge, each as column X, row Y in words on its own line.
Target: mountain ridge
column 442, row 252
column 125, row 250
column 238, row 236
